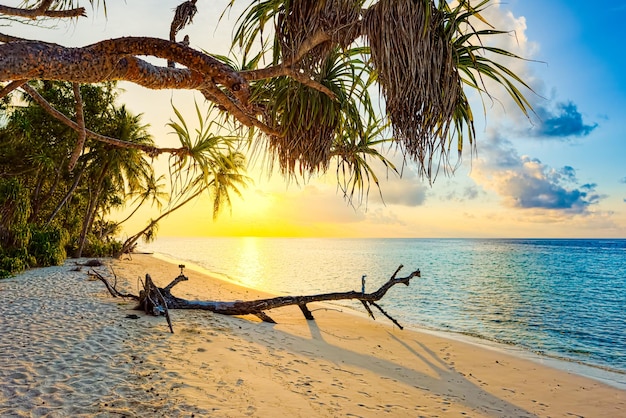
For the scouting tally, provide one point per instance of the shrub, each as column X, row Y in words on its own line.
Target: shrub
column 10, row 265
column 47, row 246
column 101, row 248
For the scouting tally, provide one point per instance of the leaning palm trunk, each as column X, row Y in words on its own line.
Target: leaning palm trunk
column 87, row 224
column 139, row 205
column 413, row 54
column 129, row 244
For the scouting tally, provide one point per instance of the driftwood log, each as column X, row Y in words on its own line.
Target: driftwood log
column 157, row 301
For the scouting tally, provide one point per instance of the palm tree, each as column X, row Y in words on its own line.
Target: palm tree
column 114, row 170
column 296, row 96
column 35, row 148
column 210, row 165
column 420, row 53
column 153, row 190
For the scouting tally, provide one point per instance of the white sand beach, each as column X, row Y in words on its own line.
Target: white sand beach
column 68, row 349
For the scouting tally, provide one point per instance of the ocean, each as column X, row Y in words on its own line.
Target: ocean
column 561, row 301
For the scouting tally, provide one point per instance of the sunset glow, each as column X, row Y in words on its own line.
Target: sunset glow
column 559, row 174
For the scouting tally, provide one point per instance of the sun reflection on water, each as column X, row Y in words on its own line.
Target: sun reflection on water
column 561, row 297
column 249, row 267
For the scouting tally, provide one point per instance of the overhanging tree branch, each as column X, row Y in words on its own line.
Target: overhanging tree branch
column 213, row 93
column 42, row 11
column 282, row 70
column 114, row 60
column 148, row 149
column 102, row 61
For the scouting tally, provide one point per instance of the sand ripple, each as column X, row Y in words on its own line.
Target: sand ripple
column 64, row 351
column 67, row 349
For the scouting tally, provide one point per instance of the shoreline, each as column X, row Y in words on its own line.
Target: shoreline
column 610, row 377
column 69, row 349
column 606, row 376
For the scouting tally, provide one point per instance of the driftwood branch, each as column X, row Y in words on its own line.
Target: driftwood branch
column 112, row 288
column 161, row 302
column 157, row 301
column 385, row 313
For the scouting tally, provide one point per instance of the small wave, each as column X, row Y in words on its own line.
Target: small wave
column 559, row 298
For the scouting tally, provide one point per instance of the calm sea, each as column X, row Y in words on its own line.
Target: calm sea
column 558, row 298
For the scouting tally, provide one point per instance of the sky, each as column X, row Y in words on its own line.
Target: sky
column 560, row 173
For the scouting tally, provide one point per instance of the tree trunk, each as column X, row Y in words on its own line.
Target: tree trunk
column 113, row 59
column 39, row 200
column 130, row 242
column 35, row 197
column 92, row 208
column 67, row 196
column 139, row 205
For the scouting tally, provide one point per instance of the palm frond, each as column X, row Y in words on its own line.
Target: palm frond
column 293, row 24
column 423, row 52
column 210, row 162
column 355, row 155
column 310, row 120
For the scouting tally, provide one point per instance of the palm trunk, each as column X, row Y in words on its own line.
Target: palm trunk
column 91, row 212
column 34, row 198
column 130, row 242
column 69, row 194
column 38, row 200
column 133, row 212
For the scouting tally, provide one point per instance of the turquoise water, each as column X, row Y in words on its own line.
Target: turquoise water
column 562, row 299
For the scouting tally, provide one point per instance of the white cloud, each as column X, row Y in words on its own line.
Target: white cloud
column 527, row 183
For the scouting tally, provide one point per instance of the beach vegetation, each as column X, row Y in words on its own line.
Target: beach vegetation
column 49, row 210
column 113, row 171
column 47, row 246
column 14, row 230
column 212, row 166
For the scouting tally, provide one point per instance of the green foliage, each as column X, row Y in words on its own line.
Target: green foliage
column 114, row 171
column 318, row 62
column 208, row 156
column 13, row 260
column 421, row 54
column 14, row 213
column 47, row 246
column 96, row 247
column 43, row 205
column 11, row 265
column 210, row 164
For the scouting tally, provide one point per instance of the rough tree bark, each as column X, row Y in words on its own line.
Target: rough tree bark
column 119, row 59
column 158, row 301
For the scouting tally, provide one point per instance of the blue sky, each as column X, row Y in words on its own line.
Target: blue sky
column 578, row 137
column 560, row 174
